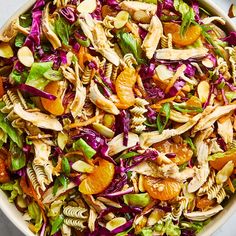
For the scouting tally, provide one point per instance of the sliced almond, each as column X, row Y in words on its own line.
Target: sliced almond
column 115, row 223
column 142, row 17
column 82, row 167
column 207, row 63
column 232, row 11
column 6, row 50
column 121, row 19
column 163, row 72
column 103, row 130
column 203, row 90
column 87, row 6
column 225, row 173
column 25, row 56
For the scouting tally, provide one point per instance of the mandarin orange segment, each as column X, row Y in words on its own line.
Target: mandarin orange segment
column 219, row 163
column 182, row 151
column 99, row 179
column 55, row 107
column 162, row 189
column 204, row 203
column 124, row 86
column 190, row 36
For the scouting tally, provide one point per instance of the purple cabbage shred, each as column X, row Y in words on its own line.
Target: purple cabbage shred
column 178, row 85
column 231, row 39
column 69, row 14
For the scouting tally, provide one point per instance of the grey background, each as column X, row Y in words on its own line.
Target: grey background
column 7, row 8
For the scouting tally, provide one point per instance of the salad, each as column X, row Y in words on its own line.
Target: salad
column 117, row 117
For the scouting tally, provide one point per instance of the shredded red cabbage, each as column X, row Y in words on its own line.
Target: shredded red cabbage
column 97, row 14
column 36, row 92
column 122, row 125
column 188, row 232
column 231, row 39
column 147, row 71
column 33, row 39
column 119, row 193
column 106, row 92
column 58, row 57
column 69, row 14
column 142, row 33
column 178, row 85
column 190, row 70
column 195, row 6
column 112, row 3
column 222, row 144
column 153, row 92
column 96, row 141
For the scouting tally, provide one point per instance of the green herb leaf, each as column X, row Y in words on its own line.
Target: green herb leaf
column 56, row 224
column 129, row 44
column 63, row 30
column 127, row 155
column 18, row 159
column 166, row 111
column 36, row 214
column 25, row 20
column 55, row 187
column 64, row 181
column 188, row 109
column 16, row 76
column 81, row 145
column 65, row 166
column 190, row 143
column 188, row 15
column 19, row 40
column 137, row 199
column 84, row 43
column 221, row 154
column 36, row 76
column 10, row 131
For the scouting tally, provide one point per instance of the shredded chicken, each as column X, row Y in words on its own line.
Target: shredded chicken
column 100, row 101
column 42, row 152
column 38, row 119
column 151, row 41
column 133, row 6
column 201, row 216
column 116, row 144
column 149, row 138
column 47, row 30
column 209, row 20
column 225, row 130
column 180, row 54
column 208, row 120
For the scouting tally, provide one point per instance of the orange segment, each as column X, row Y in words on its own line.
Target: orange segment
column 204, row 203
column 99, row 179
column 124, row 86
column 182, row 151
column 54, row 107
column 162, row 189
column 219, row 163
column 190, row 36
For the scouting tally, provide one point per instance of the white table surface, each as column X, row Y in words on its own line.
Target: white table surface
column 8, row 7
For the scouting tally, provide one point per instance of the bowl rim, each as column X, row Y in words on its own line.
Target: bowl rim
column 210, row 228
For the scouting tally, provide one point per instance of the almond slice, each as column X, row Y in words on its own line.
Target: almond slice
column 6, row 50
column 203, row 90
column 25, row 56
column 82, row 167
column 232, row 11
column 121, row 19
column 87, row 6
column 115, row 223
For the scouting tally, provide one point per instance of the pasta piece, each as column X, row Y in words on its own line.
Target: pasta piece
column 41, row 176
column 86, row 77
column 108, row 70
column 33, row 179
column 76, row 223
column 108, row 22
column 75, row 212
column 138, row 117
column 207, row 186
column 129, row 60
column 166, row 41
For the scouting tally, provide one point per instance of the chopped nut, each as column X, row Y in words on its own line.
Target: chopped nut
column 232, row 11
column 87, row 6
column 25, row 56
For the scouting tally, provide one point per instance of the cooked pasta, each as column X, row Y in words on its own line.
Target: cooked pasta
column 111, row 117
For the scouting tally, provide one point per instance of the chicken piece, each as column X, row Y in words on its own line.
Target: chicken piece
column 49, row 197
column 97, row 205
column 47, row 29
column 150, row 168
column 100, row 101
column 151, row 41
column 116, row 144
column 42, row 152
column 199, row 178
column 208, row 120
column 80, row 95
column 214, row 147
column 209, row 20
column 149, row 138
column 134, row 6
column 38, row 119
column 179, row 117
column 203, row 215
column 180, row 54
column 103, row 47
column 225, row 130
column 10, row 32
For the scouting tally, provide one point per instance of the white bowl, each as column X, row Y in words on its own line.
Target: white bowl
column 15, row 216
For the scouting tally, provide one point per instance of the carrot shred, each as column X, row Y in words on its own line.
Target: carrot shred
column 80, row 56
column 120, row 105
column 158, row 104
column 231, row 186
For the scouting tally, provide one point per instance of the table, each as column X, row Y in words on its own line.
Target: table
column 8, row 7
